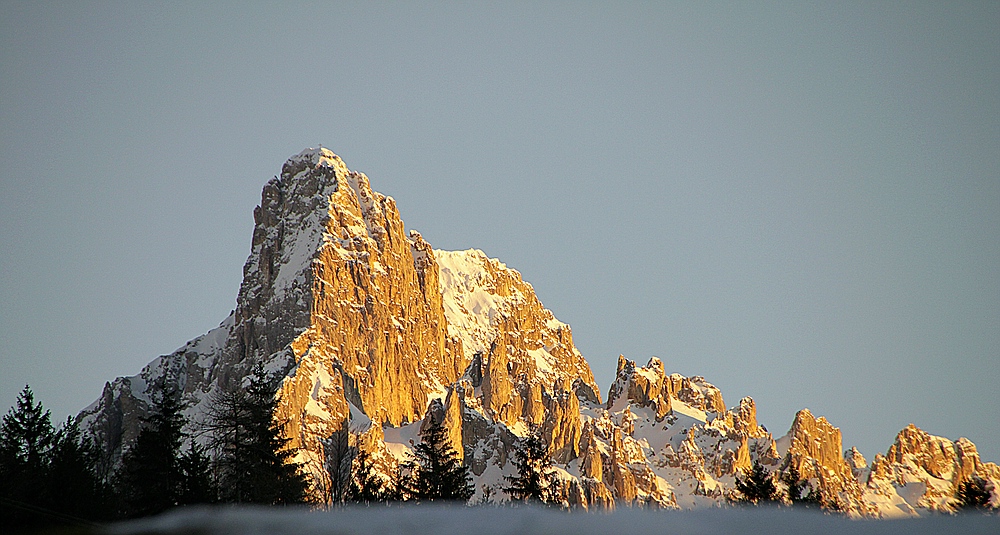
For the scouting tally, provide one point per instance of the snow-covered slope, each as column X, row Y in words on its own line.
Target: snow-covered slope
column 437, row 520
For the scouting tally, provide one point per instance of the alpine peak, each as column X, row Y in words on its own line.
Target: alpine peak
column 373, row 333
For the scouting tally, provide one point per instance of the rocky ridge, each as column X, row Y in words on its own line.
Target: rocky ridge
column 377, row 334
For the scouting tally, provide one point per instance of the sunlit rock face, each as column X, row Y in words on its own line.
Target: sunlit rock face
column 336, row 298
column 524, row 350
column 351, row 311
column 922, row 472
column 813, row 448
column 372, row 333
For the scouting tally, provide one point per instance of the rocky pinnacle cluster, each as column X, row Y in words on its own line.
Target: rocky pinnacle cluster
column 373, row 331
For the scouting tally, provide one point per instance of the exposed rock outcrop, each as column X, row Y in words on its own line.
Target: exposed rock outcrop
column 813, row 448
column 923, row 472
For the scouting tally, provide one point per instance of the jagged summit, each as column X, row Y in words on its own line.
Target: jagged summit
column 373, row 331
column 350, row 310
column 317, row 157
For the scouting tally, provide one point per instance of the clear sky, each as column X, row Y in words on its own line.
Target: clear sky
column 799, row 201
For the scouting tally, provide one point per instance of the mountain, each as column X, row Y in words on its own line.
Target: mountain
column 376, row 334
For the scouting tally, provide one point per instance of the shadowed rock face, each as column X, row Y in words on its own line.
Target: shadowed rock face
column 372, row 332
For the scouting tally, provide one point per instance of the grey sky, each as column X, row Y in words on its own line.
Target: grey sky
column 800, row 202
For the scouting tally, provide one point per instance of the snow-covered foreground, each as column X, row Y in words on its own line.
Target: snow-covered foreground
column 524, row 520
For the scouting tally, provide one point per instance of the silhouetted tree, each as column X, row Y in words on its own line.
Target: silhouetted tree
column 795, row 484
column 757, row 486
column 47, row 476
column 436, row 474
column 26, row 438
column 365, row 487
column 197, row 480
column 339, row 459
column 973, row 494
column 254, row 460
column 396, row 489
column 533, row 482
column 151, row 478
column 75, row 488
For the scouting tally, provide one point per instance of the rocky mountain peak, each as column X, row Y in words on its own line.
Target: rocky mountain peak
column 372, row 331
column 354, row 314
column 314, row 158
column 814, row 446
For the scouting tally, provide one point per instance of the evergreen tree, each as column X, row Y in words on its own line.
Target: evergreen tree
column 81, row 492
column 795, row 484
column 26, row 438
column 197, row 483
column 339, row 459
column 533, row 480
column 47, row 476
column 973, row 495
column 150, row 479
column 253, row 456
column 396, row 489
column 802, row 494
column 436, row 474
column 757, row 486
column 365, row 487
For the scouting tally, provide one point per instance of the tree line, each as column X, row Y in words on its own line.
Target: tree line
column 434, row 473
column 52, row 475
column 757, row 486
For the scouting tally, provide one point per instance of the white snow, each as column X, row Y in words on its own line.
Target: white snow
column 473, row 306
column 468, row 304
column 443, row 520
column 694, row 413
column 400, row 440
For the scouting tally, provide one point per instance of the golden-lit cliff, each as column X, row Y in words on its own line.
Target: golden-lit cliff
column 372, row 334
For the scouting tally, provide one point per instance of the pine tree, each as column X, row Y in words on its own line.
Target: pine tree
column 26, row 439
column 973, row 495
column 197, row 482
column 397, row 488
column 757, row 486
column 253, row 456
column 27, row 434
column 795, row 484
column 533, row 480
column 150, row 479
column 47, row 476
column 365, row 487
column 279, row 480
column 436, row 474
column 797, row 488
column 81, row 492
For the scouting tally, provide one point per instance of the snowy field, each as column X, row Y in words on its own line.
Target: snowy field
column 523, row 520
